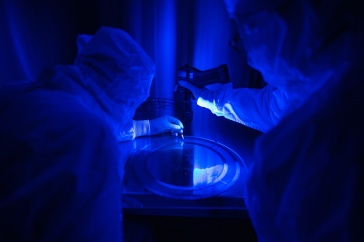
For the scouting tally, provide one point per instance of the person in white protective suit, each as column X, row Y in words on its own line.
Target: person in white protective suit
column 306, row 182
column 61, row 164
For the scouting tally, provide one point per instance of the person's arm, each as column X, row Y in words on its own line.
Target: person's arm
column 260, row 109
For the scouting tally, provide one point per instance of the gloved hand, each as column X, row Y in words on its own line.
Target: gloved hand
column 165, row 124
column 196, row 91
column 205, row 98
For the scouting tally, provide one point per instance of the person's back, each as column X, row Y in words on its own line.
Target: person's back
column 306, row 183
column 58, row 161
column 61, row 163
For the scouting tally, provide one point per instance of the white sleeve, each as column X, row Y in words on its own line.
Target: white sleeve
column 260, row 109
column 136, row 129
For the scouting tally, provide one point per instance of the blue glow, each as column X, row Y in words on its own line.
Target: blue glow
column 206, row 176
column 15, row 63
column 36, row 35
column 165, row 48
column 211, row 35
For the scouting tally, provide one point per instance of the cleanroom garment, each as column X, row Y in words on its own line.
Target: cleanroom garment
column 118, row 74
column 260, row 109
column 307, row 183
column 297, row 54
column 61, row 164
column 59, row 180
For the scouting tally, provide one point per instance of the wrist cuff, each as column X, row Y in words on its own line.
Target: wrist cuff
column 141, row 127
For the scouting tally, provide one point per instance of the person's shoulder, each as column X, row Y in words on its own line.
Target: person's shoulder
column 70, row 112
column 52, row 112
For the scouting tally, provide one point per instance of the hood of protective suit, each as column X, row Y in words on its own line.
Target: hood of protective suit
column 116, row 70
column 114, row 73
column 299, row 46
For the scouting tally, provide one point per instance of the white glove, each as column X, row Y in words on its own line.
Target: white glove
column 156, row 126
column 205, row 97
column 196, row 91
column 165, row 124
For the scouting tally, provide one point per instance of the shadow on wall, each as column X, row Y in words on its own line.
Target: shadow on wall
column 37, row 34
